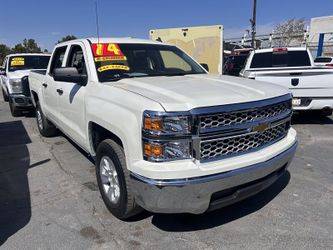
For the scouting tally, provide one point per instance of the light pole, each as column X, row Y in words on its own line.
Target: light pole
column 253, row 23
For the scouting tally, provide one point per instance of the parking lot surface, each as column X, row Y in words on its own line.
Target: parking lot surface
column 49, row 200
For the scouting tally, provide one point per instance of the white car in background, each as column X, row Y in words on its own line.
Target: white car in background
column 311, row 86
column 14, row 79
column 324, row 61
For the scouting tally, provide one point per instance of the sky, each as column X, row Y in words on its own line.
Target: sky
column 48, row 20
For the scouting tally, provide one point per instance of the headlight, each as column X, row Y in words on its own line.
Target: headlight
column 15, row 85
column 166, row 123
column 166, row 151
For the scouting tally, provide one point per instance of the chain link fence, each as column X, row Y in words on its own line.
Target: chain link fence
column 280, row 40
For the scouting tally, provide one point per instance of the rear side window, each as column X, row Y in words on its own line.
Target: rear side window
column 323, row 60
column 281, row 59
column 58, row 58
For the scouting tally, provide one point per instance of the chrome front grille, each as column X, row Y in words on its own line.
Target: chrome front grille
column 224, row 119
column 228, row 146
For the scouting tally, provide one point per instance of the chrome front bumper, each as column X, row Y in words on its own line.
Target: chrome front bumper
column 199, row 194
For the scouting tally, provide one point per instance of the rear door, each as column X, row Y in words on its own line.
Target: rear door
column 71, row 101
column 50, row 86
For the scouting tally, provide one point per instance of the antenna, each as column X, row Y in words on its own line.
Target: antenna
column 97, row 24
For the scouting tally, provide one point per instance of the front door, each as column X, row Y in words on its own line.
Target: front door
column 71, row 99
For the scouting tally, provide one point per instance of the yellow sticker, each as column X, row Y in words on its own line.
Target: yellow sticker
column 18, row 58
column 16, row 63
column 110, row 58
column 108, row 67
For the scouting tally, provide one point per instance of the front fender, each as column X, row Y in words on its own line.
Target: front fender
column 121, row 115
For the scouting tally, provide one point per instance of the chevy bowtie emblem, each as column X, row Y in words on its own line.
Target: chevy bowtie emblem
column 261, row 127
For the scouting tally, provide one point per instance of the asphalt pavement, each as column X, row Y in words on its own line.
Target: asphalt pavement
column 49, row 200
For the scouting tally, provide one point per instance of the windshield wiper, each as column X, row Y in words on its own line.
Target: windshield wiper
column 182, row 74
column 117, row 78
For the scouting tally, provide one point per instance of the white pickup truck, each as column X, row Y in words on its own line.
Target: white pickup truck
column 14, row 79
column 165, row 135
column 312, row 87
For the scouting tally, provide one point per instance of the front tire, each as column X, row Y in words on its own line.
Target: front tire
column 45, row 127
column 5, row 96
column 114, row 181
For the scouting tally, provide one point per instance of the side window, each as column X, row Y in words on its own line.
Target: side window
column 76, row 59
column 172, row 60
column 57, row 59
column 4, row 64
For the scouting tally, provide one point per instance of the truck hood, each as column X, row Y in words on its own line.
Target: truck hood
column 18, row 74
column 182, row 93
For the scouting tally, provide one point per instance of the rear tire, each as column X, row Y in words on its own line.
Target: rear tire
column 322, row 113
column 5, row 96
column 45, row 127
column 114, row 181
column 13, row 110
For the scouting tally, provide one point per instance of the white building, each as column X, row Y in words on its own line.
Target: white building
column 321, row 25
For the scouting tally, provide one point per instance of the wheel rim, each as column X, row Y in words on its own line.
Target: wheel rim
column 39, row 119
column 109, row 179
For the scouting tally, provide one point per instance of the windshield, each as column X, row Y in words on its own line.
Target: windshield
column 280, row 59
column 28, row 62
column 117, row 61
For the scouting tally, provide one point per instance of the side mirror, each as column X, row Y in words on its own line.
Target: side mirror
column 69, row 74
column 205, row 66
column 2, row 71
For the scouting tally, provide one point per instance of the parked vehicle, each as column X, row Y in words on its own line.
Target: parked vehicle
column 234, row 64
column 324, row 61
column 311, row 86
column 14, row 79
column 165, row 135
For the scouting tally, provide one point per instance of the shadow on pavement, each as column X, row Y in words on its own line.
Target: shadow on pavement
column 15, row 207
column 181, row 222
column 310, row 118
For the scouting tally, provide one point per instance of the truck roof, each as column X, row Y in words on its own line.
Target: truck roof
column 114, row 40
column 29, row 54
column 287, row 48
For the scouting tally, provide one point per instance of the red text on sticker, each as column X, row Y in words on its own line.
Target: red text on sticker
column 106, row 49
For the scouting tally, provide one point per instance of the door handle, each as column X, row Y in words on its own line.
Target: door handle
column 44, row 85
column 60, row 91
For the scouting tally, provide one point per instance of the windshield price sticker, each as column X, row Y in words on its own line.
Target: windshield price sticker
column 17, row 61
column 113, row 67
column 110, row 58
column 106, row 49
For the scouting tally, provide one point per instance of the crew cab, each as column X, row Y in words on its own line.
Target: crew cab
column 14, row 79
column 311, row 86
column 165, row 135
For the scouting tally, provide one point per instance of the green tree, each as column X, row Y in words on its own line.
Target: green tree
column 27, row 46
column 4, row 50
column 67, row 38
